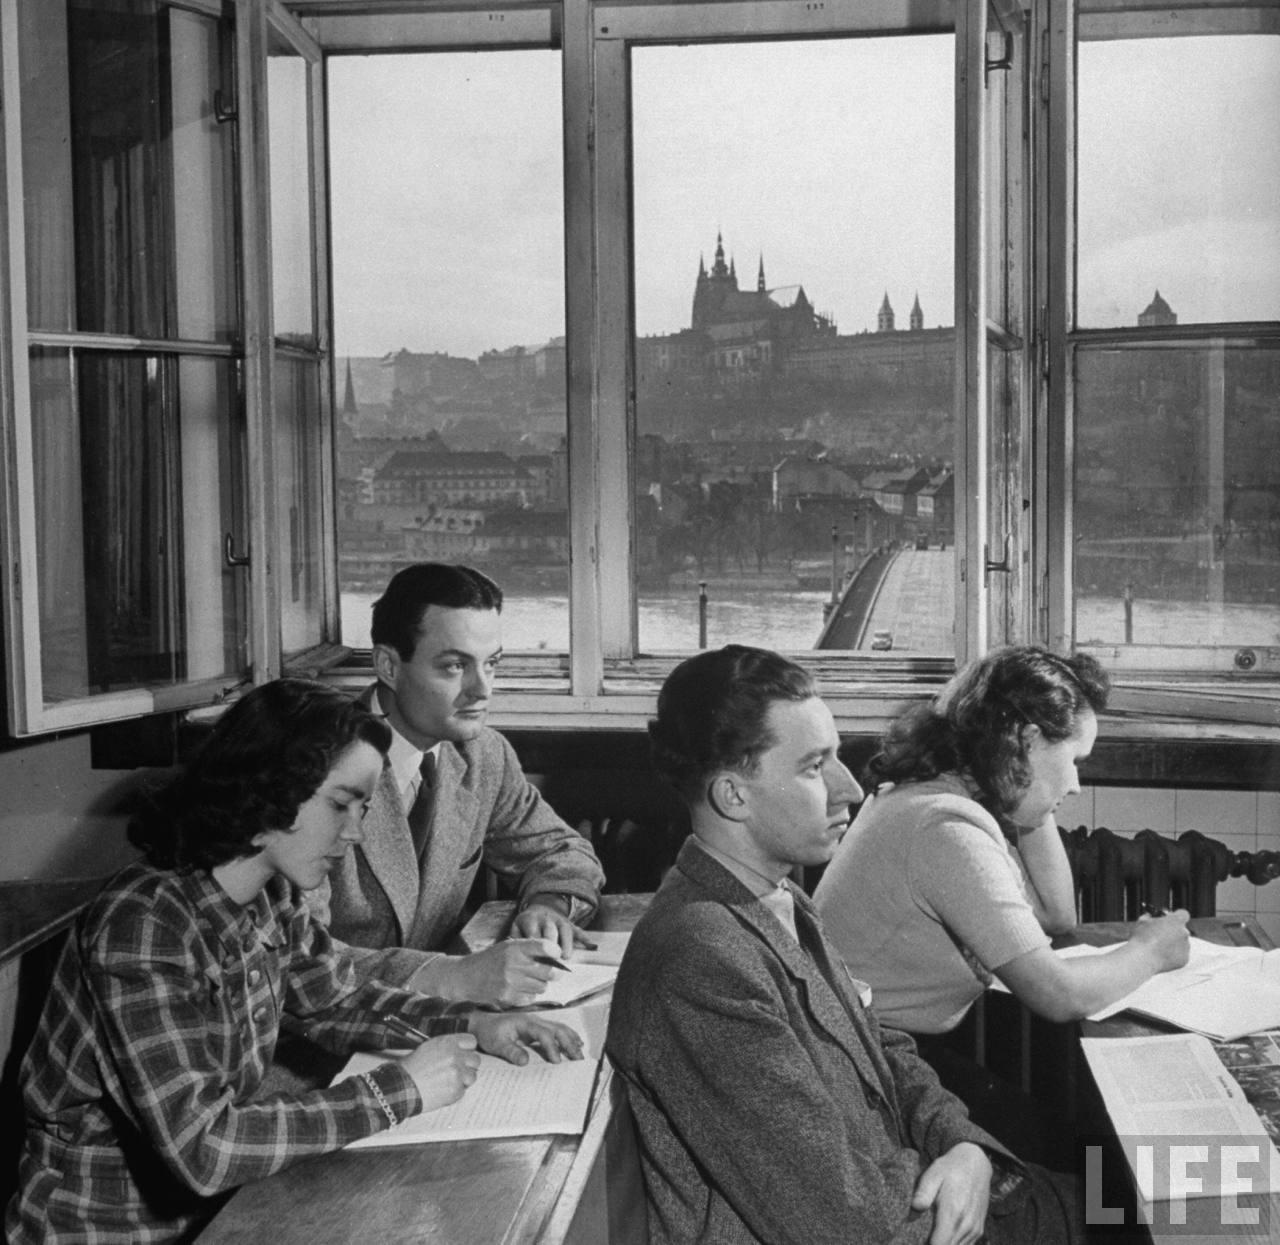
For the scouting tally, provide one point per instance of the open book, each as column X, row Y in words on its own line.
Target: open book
column 1185, row 1125
column 505, row 1101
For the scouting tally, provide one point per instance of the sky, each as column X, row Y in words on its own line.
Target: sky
column 832, row 160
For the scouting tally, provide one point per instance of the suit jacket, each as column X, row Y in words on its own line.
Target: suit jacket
column 485, row 811
column 769, row 1103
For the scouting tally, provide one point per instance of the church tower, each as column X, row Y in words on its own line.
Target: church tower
column 917, row 316
column 760, row 285
column 884, row 320
column 712, row 288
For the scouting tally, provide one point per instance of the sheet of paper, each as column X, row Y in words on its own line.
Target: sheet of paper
column 1221, row 992
column 505, row 1101
column 579, row 981
column 610, row 946
column 1158, row 1089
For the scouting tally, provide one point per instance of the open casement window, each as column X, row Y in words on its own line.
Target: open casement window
column 304, row 589
column 1164, row 312
column 126, row 480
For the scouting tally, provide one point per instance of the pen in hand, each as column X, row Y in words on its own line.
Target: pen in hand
column 551, row 962
column 403, row 1029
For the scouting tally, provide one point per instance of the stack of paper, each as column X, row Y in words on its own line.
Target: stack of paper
column 505, row 1101
column 1222, row 992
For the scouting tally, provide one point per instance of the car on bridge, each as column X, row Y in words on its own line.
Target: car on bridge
column 881, row 641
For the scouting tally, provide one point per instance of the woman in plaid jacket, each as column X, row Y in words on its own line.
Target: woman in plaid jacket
column 143, row 1086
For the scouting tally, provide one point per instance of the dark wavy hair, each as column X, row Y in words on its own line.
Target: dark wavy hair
column 266, row 756
column 399, row 610
column 977, row 724
column 712, row 713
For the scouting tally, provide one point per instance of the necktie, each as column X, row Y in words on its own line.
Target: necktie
column 424, row 803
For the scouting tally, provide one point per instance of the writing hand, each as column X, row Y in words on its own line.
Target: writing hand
column 443, row 1068
column 958, row 1186
column 1165, row 938
column 506, row 974
column 508, row 1036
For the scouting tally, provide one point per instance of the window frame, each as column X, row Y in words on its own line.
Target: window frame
column 603, row 682
column 600, row 683
column 1205, row 694
column 27, row 711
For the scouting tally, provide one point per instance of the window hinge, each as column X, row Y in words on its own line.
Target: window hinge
column 229, row 554
column 1004, row 62
column 989, row 567
column 1044, row 67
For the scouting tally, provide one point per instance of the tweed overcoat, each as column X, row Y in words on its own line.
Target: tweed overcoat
column 769, row 1103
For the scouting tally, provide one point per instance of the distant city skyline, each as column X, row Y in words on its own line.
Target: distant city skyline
column 830, row 159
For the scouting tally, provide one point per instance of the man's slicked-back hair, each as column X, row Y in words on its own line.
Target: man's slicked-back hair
column 399, row 610
column 713, row 714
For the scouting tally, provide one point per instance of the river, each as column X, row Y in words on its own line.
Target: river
column 772, row 618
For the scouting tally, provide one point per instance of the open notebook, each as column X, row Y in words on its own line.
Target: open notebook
column 505, row 1101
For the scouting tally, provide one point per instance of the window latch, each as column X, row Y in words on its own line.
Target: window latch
column 229, row 554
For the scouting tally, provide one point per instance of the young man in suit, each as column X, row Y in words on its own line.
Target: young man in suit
column 452, row 798
column 769, row 1103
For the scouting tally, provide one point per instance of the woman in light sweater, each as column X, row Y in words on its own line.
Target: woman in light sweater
column 954, row 871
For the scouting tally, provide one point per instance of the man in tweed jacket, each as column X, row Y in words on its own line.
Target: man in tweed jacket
column 770, row 1105
column 453, row 798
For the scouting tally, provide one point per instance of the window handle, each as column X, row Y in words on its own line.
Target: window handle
column 229, row 554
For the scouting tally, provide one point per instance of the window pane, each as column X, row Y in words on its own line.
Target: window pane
column 140, row 201
column 301, row 515
column 292, row 264
column 1179, row 181
column 1177, row 476
column 134, row 472
column 448, row 292
column 794, row 357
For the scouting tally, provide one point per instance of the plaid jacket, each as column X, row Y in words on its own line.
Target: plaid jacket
column 142, row 1083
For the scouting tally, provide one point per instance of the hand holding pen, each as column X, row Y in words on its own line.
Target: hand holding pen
column 1164, row 935
column 508, row 1037
column 442, row 1068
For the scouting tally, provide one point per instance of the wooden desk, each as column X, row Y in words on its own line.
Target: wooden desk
column 1205, row 1221
column 549, row 1190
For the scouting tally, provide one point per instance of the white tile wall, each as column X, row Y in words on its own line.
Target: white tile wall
column 1243, row 820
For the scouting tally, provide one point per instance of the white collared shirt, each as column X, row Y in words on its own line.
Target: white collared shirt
column 405, row 758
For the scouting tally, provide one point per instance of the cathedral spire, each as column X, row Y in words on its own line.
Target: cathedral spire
column 917, row 316
column 884, row 320
column 720, row 270
column 760, row 285
column 349, row 407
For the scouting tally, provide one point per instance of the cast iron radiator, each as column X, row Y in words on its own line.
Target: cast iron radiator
column 1115, row 874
